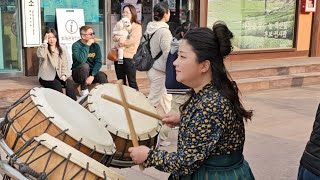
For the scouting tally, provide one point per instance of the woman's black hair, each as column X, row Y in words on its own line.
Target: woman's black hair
column 214, row 45
column 159, row 10
column 54, row 32
column 184, row 28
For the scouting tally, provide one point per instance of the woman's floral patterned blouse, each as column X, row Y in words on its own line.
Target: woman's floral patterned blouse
column 208, row 127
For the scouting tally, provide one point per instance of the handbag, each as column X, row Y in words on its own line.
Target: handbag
column 113, row 54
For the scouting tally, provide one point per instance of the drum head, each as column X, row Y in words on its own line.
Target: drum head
column 68, row 114
column 113, row 115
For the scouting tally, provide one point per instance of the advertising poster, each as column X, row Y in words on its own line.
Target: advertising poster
column 256, row 24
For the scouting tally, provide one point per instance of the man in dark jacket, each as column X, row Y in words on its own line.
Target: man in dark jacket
column 310, row 162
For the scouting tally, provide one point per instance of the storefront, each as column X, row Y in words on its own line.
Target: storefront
column 10, row 39
column 17, row 59
column 181, row 11
column 262, row 29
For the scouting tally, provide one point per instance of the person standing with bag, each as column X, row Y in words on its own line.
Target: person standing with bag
column 128, row 69
column 53, row 65
column 180, row 92
column 160, row 41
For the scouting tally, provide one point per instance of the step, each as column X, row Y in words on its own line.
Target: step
column 250, row 76
column 274, row 71
column 275, row 82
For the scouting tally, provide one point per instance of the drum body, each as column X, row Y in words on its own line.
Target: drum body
column 114, row 120
column 45, row 110
column 46, row 157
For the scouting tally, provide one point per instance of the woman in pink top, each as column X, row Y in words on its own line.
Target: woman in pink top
column 127, row 70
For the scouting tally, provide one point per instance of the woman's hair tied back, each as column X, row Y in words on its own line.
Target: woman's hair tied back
column 159, row 10
column 223, row 36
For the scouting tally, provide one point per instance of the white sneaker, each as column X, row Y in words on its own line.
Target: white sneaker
column 84, row 92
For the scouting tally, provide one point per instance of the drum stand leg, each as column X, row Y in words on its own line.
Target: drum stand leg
column 9, row 172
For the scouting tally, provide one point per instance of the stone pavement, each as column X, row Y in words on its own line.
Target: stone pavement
column 275, row 138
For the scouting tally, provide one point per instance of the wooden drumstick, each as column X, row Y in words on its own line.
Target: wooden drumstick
column 133, row 107
column 129, row 119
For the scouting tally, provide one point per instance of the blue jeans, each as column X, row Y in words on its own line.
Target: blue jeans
column 304, row 174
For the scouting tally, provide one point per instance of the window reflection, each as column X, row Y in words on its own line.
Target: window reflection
column 9, row 46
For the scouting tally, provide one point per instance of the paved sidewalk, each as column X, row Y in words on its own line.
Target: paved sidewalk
column 275, row 138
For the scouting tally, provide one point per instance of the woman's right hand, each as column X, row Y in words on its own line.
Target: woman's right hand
column 46, row 38
column 171, row 119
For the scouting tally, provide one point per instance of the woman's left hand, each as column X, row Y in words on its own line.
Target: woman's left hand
column 139, row 154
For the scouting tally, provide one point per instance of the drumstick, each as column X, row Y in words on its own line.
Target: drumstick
column 129, row 119
column 133, row 107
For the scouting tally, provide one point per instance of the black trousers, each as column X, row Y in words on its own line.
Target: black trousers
column 127, row 70
column 57, row 84
column 81, row 73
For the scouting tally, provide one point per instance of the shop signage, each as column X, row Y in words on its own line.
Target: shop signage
column 131, row 1
column 69, row 22
column 308, row 6
column 31, row 19
column 172, row 5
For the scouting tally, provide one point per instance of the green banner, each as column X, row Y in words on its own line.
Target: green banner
column 256, row 24
column 90, row 8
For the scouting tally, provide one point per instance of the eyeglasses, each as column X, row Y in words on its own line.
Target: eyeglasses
column 91, row 34
column 126, row 12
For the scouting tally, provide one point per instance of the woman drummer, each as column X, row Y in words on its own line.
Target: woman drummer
column 211, row 135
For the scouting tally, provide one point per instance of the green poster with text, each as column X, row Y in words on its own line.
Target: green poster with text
column 256, row 24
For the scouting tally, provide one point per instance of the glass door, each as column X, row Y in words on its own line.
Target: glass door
column 10, row 43
column 93, row 15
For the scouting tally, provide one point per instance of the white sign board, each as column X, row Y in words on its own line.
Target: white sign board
column 31, row 20
column 69, row 22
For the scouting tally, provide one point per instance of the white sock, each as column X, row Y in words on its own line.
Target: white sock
column 84, row 92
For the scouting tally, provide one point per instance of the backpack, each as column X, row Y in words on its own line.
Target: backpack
column 143, row 59
column 171, row 82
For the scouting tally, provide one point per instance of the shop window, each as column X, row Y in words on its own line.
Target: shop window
column 256, row 24
column 93, row 15
column 10, row 60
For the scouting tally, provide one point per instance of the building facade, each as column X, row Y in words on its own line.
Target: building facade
column 262, row 29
